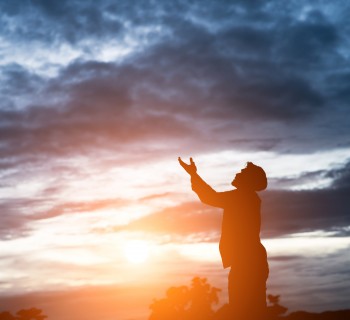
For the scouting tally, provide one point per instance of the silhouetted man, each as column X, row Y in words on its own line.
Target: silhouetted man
column 240, row 245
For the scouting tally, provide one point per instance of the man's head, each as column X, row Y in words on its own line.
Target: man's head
column 252, row 177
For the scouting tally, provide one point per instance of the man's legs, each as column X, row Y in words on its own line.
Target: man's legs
column 247, row 292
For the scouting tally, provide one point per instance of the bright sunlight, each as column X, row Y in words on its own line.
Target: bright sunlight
column 136, row 251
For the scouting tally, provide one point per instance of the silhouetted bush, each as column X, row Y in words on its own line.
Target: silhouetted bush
column 185, row 303
column 276, row 309
column 5, row 315
column 24, row 314
column 31, row 314
column 195, row 303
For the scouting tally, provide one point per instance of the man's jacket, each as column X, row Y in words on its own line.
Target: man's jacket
column 240, row 232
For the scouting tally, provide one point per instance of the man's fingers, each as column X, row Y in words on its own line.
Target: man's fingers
column 183, row 164
column 190, row 168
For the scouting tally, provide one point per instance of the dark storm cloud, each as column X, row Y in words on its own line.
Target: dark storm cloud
column 229, row 85
column 18, row 81
column 98, row 112
column 296, row 211
column 240, row 65
column 341, row 177
column 57, row 21
column 311, row 41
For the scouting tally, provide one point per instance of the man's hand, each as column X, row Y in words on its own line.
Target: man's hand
column 190, row 168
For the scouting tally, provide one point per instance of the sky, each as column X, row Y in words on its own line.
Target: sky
column 98, row 99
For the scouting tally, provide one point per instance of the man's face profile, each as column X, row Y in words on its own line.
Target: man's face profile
column 240, row 179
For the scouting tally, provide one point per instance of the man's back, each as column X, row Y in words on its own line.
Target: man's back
column 240, row 231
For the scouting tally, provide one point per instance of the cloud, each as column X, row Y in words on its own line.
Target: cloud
column 98, row 114
column 341, row 177
column 203, row 77
column 203, row 82
column 185, row 219
column 79, row 207
column 296, row 211
column 70, row 21
column 311, row 40
column 14, row 223
column 243, row 76
column 313, row 284
column 18, row 81
column 17, row 215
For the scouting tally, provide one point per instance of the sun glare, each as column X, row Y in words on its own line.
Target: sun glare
column 136, row 251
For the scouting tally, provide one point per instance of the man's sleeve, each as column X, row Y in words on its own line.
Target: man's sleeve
column 206, row 193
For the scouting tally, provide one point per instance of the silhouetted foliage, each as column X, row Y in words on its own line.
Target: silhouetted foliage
column 31, row 314
column 24, row 314
column 202, row 296
column 171, row 307
column 273, row 299
column 276, row 309
column 5, row 315
column 194, row 302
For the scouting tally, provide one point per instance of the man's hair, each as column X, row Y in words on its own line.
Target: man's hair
column 257, row 177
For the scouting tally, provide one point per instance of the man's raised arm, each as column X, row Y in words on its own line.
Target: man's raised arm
column 205, row 192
